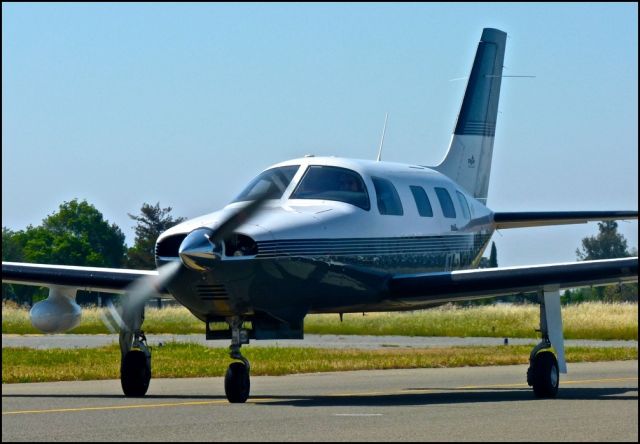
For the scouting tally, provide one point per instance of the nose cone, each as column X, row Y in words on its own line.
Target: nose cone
column 197, row 252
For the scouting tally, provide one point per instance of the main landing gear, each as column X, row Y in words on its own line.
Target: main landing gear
column 544, row 370
column 135, row 369
column 236, row 381
column 135, row 366
column 543, row 374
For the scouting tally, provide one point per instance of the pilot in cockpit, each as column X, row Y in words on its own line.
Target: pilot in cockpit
column 348, row 182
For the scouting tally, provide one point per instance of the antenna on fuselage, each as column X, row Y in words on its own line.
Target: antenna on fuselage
column 384, row 130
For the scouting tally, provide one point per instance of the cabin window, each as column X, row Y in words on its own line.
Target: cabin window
column 333, row 183
column 464, row 205
column 388, row 200
column 422, row 201
column 273, row 182
column 446, row 203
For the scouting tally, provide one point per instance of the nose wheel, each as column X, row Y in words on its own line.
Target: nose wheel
column 237, row 383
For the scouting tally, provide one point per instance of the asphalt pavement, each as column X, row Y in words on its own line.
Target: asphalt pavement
column 596, row 402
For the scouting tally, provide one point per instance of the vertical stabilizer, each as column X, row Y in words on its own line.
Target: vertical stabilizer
column 468, row 161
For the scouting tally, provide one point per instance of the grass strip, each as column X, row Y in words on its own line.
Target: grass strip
column 180, row 360
column 593, row 320
column 580, row 321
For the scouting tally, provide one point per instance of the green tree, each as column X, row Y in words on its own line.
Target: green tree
column 493, row 257
column 151, row 223
column 12, row 252
column 492, row 260
column 608, row 244
column 11, row 248
column 76, row 234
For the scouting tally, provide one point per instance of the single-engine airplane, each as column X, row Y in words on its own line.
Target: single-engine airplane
column 336, row 235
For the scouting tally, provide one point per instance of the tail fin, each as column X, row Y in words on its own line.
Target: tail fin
column 468, row 161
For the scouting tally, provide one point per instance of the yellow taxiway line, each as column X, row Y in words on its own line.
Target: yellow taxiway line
column 134, row 406
column 261, row 400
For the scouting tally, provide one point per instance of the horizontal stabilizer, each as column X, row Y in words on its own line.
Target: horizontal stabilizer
column 504, row 220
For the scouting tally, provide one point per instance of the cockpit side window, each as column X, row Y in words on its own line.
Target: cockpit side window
column 272, row 181
column 422, row 201
column 333, row 183
column 446, row 203
column 464, row 205
column 389, row 202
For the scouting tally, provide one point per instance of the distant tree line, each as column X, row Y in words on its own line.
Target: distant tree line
column 607, row 244
column 78, row 234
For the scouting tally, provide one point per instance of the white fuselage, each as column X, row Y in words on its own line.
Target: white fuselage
column 303, row 250
column 291, row 218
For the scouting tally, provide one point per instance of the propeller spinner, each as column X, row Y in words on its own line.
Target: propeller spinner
column 203, row 246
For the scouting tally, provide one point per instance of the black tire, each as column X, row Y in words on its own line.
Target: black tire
column 236, row 383
column 544, row 375
column 135, row 373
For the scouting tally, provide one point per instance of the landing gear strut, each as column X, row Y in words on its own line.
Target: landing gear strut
column 236, row 381
column 544, row 372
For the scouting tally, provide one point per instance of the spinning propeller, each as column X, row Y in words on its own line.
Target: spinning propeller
column 204, row 243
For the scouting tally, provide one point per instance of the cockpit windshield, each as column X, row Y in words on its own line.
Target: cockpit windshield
column 333, row 183
column 273, row 182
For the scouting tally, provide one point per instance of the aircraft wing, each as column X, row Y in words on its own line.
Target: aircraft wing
column 492, row 282
column 433, row 287
column 540, row 218
column 108, row 280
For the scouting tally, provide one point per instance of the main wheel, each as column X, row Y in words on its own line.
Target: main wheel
column 236, row 382
column 544, row 375
column 135, row 373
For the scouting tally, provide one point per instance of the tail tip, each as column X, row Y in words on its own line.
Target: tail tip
column 493, row 35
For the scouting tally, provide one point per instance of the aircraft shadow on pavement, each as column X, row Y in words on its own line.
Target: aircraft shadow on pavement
column 454, row 396
column 439, row 396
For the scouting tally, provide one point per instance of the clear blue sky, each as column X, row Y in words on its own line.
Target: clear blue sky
column 122, row 104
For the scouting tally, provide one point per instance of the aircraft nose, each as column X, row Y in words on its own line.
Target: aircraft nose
column 197, row 252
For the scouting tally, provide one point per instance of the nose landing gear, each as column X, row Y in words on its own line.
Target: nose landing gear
column 236, row 381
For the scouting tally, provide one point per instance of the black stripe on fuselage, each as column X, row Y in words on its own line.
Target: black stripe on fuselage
column 372, row 246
